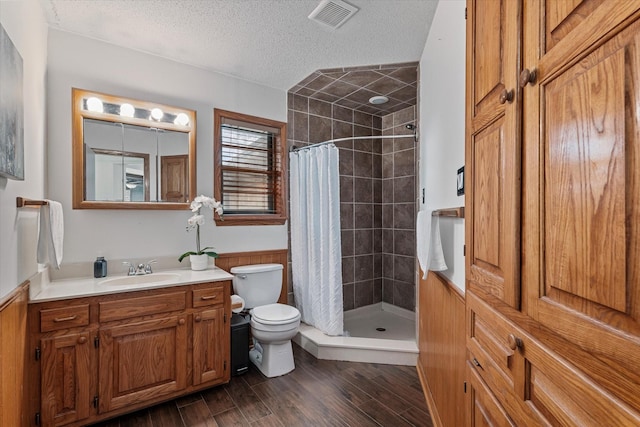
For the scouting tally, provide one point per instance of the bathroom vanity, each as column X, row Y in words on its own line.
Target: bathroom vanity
column 102, row 349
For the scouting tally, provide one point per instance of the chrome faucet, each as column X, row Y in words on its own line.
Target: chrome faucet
column 141, row 269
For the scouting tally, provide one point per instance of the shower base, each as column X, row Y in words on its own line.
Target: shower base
column 396, row 345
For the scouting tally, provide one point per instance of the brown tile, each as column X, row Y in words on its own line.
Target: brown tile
column 363, row 215
column 319, row 129
column 404, row 190
column 347, row 242
column 346, row 216
column 268, row 421
column 232, row 417
column 377, row 122
column 403, row 268
column 377, row 290
column 197, row 414
column 347, row 269
column 363, row 119
column 362, row 68
column 342, row 113
column 387, row 144
column 345, row 159
column 246, row 401
column 417, row 417
column 377, row 216
column 341, row 129
column 361, row 96
column 406, row 75
column 340, row 88
column 346, row 189
column 363, row 242
column 363, row 190
column 403, row 163
column 387, row 266
column 320, row 82
column 386, row 85
column 347, row 103
column 309, row 78
column 404, row 93
column 387, row 165
column 300, row 126
column 301, row 103
column 305, row 92
column 137, row 419
column 403, row 243
column 387, row 217
column 377, row 190
column 323, row 96
column 189, row 399
column 387, row 122
column 400, row 144
column 404, row 216
column 387, row 290
column 383, row 415
column 404, row 295
column 332, row 70
column 319, row 108
column 347, row 412
column 289, row 100
column 363, row 294
column 363, row 268
column 347, row 297
column 360, row 78
column 362, row 164
column 217, row 399
column 397, row 65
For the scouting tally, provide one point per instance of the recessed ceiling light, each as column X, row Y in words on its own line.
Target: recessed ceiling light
column 377, row 100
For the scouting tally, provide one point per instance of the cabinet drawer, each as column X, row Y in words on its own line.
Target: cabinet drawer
column 208, row 296
column 65, row 317
column 142, row 306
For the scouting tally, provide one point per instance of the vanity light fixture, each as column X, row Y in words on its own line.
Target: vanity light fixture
column 127, row 110
column 95, row 105
column 156, row 114
column 181, row 119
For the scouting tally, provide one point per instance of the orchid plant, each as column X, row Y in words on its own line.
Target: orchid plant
column 197, row 219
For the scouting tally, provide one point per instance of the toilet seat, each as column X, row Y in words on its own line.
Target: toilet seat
column 275, row 314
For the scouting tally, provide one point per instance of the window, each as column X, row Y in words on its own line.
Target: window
column 250, row 168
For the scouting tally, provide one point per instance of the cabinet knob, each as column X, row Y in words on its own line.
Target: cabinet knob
column 527, row 77
column 506, row 96
column 82, row 340
column 514, row 342
column 198, row 318
column 181, row 322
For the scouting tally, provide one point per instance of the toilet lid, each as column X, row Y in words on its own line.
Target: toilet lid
column 275, row 313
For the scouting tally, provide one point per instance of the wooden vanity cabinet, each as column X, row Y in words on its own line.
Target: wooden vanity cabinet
column 99, row 357
column 553, row 212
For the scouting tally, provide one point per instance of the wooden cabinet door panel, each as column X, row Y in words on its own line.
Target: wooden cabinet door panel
column 587, row 285
column 142, row 361
column 208, row 345
column 483, row 410
column 68, row 363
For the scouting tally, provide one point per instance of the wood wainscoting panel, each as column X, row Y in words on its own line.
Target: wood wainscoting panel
column 13, row 347
column 442, row 346
column 277, row 256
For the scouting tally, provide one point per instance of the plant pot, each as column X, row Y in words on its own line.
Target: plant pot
column 199, row 262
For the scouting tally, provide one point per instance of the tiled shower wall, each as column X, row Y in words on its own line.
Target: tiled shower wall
column 366, row 277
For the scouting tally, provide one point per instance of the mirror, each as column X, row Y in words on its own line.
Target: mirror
column 130, row 154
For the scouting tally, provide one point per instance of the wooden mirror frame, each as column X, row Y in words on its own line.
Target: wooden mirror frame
column 78, row 114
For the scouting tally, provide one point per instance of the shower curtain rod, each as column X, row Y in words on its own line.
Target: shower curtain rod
column 318, row 144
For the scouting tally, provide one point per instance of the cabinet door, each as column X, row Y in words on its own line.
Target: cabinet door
column 483, row 410
column 493, row 147
column 67, row 368
column 142, row 361
column 582, row 187
column 210, row 346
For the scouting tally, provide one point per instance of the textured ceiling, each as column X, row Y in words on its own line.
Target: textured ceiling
column 265, row 41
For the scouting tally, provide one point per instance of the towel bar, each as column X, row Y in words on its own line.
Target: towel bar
column 451, row 212
column 21, row 202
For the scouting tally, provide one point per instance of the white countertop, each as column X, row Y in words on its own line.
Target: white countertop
column 84, row 287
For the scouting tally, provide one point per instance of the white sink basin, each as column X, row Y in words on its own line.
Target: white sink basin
column 140, row 280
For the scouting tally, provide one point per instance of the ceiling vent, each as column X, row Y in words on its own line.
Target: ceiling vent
column 332, row 13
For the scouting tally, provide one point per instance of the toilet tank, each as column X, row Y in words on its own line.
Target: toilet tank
column 258, row 284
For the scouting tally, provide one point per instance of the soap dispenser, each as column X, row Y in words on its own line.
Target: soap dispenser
column 100, row 267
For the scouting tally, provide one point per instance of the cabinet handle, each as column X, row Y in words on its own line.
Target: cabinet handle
column 527, row 77
column 198, row 318
column 475, row 362
column 65, row 319
column 82, row 340
column 208, row 297
column 506, row 96
column 181, row 322
column 514, row 342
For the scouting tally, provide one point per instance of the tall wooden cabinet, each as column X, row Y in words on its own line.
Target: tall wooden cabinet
column 553, row 212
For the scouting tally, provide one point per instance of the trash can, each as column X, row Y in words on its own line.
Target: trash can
column 239, row 344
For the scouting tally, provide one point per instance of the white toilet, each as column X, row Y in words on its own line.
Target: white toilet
column 272, row 325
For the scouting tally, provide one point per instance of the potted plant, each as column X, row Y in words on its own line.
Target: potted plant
column 200, row 257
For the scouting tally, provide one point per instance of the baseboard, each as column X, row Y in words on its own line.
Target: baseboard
column 431, row 404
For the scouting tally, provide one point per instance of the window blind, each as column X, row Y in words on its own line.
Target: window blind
column 250, row 169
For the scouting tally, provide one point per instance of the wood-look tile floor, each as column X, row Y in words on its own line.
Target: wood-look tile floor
column 316, row 393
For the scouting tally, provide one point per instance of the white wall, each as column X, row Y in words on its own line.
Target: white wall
column 24, row 22
column 126, row 234
column 441, row 104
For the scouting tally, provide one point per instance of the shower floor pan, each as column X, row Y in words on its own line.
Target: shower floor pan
column 396, row 345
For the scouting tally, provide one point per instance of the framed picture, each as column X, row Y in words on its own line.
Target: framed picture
column 460, row 181
column 11, row 110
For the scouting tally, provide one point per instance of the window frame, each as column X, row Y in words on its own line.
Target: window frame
column 280, row 148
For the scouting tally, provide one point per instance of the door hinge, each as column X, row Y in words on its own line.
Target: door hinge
column 465, row 13
column 96, row 400
column 96, row 342
column 37, row 353
column 465, row 386
column 464, row 250
column 37, row 418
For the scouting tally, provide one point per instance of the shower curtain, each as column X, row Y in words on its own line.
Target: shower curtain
column 315, row 237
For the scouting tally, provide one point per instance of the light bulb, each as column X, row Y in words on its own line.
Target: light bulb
column 181, row 119
column 95, row 105
column 127, row 110
column 156, row 114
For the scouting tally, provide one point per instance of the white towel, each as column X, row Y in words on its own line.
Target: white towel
column 428, row 243
column 51, row 234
